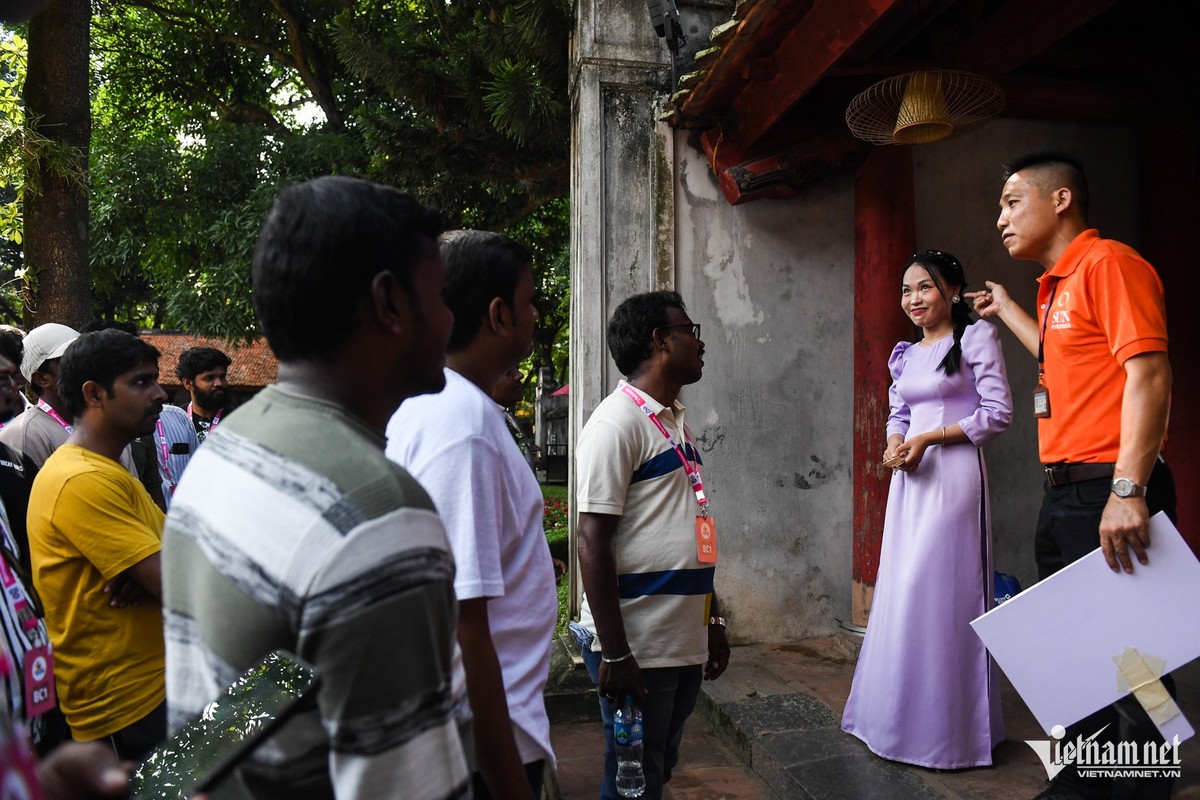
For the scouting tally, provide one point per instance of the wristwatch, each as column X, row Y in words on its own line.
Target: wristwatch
column 1123, row 487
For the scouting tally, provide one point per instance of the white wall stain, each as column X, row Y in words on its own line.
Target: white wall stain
column 731, row 293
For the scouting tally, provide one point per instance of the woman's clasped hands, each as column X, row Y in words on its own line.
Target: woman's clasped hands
column 905, row 456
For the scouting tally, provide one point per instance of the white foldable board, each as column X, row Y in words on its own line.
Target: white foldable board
column 1056, row 640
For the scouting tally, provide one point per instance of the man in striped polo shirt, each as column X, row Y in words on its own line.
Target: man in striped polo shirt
column 319, row 544
column 650, row 623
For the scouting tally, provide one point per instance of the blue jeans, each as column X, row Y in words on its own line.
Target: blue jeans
column 672, row 696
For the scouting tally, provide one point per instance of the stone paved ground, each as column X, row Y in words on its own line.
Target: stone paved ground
column 768, row 729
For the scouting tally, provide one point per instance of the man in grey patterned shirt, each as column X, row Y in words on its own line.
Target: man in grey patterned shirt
column 319, row 544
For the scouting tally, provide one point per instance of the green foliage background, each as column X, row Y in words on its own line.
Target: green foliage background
column 202, row 111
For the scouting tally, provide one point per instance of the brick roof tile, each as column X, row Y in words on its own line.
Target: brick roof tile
column 254, row 365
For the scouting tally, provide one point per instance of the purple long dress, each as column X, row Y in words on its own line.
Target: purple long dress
column 925, row 689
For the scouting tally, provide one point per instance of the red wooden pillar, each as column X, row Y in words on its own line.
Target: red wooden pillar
column 884, row 238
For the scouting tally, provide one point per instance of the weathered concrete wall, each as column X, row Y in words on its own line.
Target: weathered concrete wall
column 772, row 283
column 619, row 169
column 622, row 191
column 958, row 186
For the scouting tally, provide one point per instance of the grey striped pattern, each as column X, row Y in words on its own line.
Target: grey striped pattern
column 291, row 529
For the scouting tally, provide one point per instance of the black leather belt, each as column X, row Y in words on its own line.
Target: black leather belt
column 1062, row 474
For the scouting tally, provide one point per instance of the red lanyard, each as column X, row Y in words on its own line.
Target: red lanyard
column 44, row 406
column 693, row 474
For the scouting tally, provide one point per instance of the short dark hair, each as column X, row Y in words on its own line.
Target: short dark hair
column 322, row 243
column 480, row 266
column 1066, row 169
column 631, row 328
column 195, row 360
column 100, row 356
column 11, row 346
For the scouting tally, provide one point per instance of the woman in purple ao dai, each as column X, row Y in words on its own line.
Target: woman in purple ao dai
column 925, row 689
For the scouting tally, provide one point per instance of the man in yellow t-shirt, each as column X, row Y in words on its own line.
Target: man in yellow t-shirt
column 95, row 537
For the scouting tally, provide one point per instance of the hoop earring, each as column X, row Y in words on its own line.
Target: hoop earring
column 955, row 299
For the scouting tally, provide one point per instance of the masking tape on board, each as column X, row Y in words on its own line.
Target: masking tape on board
column 1140, row 674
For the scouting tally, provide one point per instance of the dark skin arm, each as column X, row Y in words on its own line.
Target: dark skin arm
column 148, row 574
column 496, row 755
column 718, row 645
column 78, row 771
column 141, row 582
column 599, row 572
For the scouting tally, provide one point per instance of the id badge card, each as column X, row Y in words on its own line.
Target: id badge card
column 1041, row 401
column 706, row 540
column 39, row 681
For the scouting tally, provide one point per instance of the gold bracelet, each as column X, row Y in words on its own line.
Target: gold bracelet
column 943, row 436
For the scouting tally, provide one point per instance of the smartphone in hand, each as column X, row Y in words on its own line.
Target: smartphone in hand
column 228, row 730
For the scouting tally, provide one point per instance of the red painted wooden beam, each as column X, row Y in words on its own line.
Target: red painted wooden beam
column 884, row 238
column 780, row 173
column 813, row 45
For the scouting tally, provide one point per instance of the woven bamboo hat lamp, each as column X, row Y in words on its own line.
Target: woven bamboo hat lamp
column 923, row 107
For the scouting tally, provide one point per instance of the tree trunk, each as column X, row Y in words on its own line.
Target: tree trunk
column 56, row 204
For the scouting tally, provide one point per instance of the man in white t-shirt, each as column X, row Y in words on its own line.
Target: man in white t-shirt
column 650, row 623
column 457, row 445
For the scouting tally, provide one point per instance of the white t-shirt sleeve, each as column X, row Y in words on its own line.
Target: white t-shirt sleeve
column 464, row 480
column 603, row 466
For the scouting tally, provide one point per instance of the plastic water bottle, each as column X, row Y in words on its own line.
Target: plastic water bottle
column 627, row 736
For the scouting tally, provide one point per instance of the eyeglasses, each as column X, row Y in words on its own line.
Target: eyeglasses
column 694, row 326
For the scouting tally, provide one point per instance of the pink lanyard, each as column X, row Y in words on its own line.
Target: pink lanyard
column 44, row 406
column 693, row 474
column 212, row 424
column 166, row 454
column 15, row 590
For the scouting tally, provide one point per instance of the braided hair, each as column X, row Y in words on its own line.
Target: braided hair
column 946, row 270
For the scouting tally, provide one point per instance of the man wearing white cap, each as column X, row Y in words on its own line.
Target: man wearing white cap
column 44, row 426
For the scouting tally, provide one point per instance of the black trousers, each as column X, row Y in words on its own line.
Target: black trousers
column 1068, row 529
column 136, row 741
column 535, row 773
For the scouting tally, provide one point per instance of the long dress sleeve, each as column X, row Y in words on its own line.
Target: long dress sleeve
column 898, row 414
column 981, row 353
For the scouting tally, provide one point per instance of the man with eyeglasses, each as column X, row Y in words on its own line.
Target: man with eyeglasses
column 650, row 626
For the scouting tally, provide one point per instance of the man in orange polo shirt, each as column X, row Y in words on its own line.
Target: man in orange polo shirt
column 1103, row 395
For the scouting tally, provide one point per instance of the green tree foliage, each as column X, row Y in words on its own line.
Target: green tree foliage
column 545, row 233
column 203, row 109
column 12, row 173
